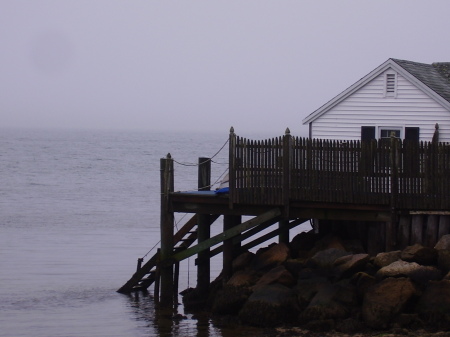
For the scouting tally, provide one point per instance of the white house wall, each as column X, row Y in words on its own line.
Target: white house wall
column 368, row 107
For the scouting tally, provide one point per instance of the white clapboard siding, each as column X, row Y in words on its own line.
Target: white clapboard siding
column 368, row 106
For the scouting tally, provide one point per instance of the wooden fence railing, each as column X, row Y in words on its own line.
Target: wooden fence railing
column 402, row 174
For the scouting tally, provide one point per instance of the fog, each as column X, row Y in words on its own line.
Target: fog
column 255, row 65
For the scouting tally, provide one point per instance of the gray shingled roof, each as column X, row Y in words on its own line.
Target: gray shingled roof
column 436, row 76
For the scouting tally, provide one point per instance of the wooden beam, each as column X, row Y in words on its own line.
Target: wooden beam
column 224, row 236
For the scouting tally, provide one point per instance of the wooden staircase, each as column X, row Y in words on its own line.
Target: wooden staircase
column 146, row 275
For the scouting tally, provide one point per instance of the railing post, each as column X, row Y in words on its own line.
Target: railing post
column 166, row 226
column 232, row 166
column 391, row 230
column 287, row 145
column 204, row 228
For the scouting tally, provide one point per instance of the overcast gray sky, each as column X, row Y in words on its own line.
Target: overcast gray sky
column 188, row 65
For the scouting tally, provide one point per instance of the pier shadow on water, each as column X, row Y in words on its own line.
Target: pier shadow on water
column 164, row 322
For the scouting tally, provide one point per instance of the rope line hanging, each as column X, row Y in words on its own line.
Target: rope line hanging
column 210, row 159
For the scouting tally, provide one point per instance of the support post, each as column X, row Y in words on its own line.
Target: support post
column 204, row 229
column 232, row 182
column 391, row 226
column 229, row 221
column 287, row 139
column 283, row 237
column 167, row 224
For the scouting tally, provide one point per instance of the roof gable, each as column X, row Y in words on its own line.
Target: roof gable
column 434, row 80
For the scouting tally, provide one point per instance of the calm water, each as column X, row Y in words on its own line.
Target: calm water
column 77, row 208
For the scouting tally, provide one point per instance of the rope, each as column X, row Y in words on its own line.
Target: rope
column 210, row 159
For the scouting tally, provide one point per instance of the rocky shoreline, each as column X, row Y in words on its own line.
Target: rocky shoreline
column 326, row 284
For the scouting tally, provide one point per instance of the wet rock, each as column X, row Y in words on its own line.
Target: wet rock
column 414, row 271
column 443, row 261
column 244, row 278
column 269, row 306
column 302, row 242
column 229, row 300
column 362, row 282
column 347, row 265
column 321, row 325
column 295, row 266
column 325, row 259
column 276, row 275
column 420, row 254
column 242, row 261
column 271, row 257
column 443, row 243
column 386, row 300
column 332, row 301
column 434, row 304
column 385, row 259
column 349, row 325
column 306, row 289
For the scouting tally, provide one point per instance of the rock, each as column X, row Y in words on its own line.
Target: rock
column 271, row 257
column 434, row 304
column 347, row 265
column 363, row 282
column 230, row 299
column 385, row 259
column 321, row 325
column 242, row 261
column 327, row 242
column 386, row 300
column 276, row 275
column 443, row 261
column 244, row 278
column 349, row 325
column 443, row 243
column 295, row 266
column 269, row 306
column 414, row 271
column 302, row 242
column 306, row 289
column 422, row 255
column 332, row 301
column 324, row 259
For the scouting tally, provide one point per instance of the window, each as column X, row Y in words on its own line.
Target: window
column 391, row 85
column 386, row 133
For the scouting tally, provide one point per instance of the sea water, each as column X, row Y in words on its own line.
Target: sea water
column 77, row 208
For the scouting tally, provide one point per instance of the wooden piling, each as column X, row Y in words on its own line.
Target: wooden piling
column 229, row 221
column 417, row 229
column 283, row 237
column 204, row 229
column 167, row 225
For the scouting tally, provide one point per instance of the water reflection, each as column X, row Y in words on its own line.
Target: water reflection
column 175, row 322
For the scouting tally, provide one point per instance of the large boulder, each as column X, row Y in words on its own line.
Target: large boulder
column 347, row 265
column 332, row 301
column 302, row 243
column 386, row 300
column 242, row 261
column 444, row 260
column 386, row 258
column 434, row 304
column 279, row 275
column 325, row 259
column 422, row 255
column 230, row 299
column 244, row 278
column 272, row 257
column 416, row 272
column 269, row 306
column 362, row 282
column 307, row 288
column 443, row 243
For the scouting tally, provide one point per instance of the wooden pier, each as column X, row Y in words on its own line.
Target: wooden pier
column 389, row 194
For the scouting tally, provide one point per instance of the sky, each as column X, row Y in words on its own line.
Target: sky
column 256, row 65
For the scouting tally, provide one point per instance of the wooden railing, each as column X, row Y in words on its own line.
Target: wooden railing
column 402, row 174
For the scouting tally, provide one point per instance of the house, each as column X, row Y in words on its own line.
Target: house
column 402, row 97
